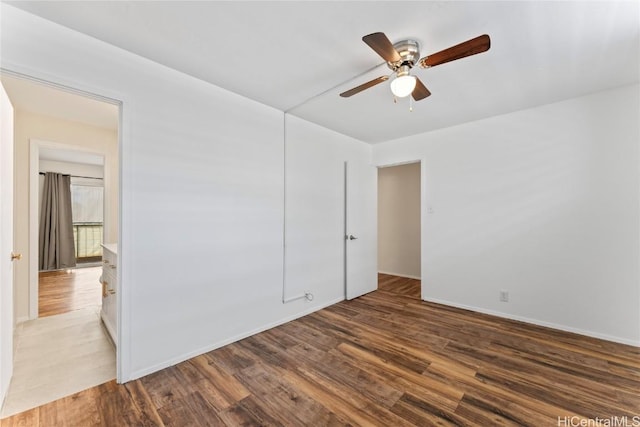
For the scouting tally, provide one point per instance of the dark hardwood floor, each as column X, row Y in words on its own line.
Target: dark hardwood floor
column 62, row 291
column 384, row 359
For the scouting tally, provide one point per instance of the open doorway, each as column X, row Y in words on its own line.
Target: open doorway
column 66, row 285
column 399, row 229
column 68, row 349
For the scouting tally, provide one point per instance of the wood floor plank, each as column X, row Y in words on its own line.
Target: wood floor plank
column 228, row 384
column 303, row 335
column 165, row 386
column 422, row 411
column 278, row 396
column 471, row 385
column 24, row 419
column 305, row 380
column 346, row 372
column 143, row 404
column 548, row 392
column 62, row 291
column 315, row 372
column 504, row 411
column 190, row 410
column 383, row 359
column 115, row 405
column 565, row 379
column 472, row 416
column 444, row 394
column 82, row 407
column 225, row 389
column 54, row 414
column 248, row 412
column 231, row 359
column 202, row 383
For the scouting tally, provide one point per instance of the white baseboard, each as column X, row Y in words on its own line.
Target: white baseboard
column 146, row 371
column 564, row 328
column 408, row 276
column 22, row 319
column 110, row 328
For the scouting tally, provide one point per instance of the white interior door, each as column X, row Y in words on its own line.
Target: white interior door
column 6, row 242
column 361, row 231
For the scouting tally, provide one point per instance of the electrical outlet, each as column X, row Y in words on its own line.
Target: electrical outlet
column 504, row 296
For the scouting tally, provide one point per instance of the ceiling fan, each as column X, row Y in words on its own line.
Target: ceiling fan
column 402, row 56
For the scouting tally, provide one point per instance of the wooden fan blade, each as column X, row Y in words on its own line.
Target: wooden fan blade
column 383, row 47
column 420, row 91
column 470, row 47
column 364, row 86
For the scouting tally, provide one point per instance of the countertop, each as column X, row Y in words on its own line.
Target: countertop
column 111, row 247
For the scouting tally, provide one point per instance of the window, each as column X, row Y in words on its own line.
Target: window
column 87, row 200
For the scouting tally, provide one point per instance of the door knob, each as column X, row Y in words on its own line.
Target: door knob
column 15, row 256
column 352, row 237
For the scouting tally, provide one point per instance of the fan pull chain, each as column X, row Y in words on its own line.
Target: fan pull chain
column 410, row 104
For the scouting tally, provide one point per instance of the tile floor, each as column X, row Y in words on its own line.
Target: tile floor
column 57, row 356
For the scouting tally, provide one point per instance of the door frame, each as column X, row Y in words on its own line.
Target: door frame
column 423, row 212
column 123, row 350
column 35, row 145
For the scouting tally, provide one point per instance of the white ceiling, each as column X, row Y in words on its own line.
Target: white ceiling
column 39, row 98
column 283, row 54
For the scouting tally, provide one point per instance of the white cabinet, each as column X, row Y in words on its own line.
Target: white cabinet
column 109, row 280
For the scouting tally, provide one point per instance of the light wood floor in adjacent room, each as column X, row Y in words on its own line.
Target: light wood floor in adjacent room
column 62, row 291
column 57, row 356
column 384, row 359
column 66, row 349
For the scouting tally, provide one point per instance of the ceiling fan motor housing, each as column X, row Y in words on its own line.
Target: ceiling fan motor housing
column 409, row 51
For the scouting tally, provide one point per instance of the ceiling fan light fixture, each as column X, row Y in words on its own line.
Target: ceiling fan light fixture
column 403, row 85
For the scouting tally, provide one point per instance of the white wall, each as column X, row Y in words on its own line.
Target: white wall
column 543, row 203
column 202, row 174
column 399, row 235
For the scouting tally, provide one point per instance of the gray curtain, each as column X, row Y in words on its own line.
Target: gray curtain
column 57, row 248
